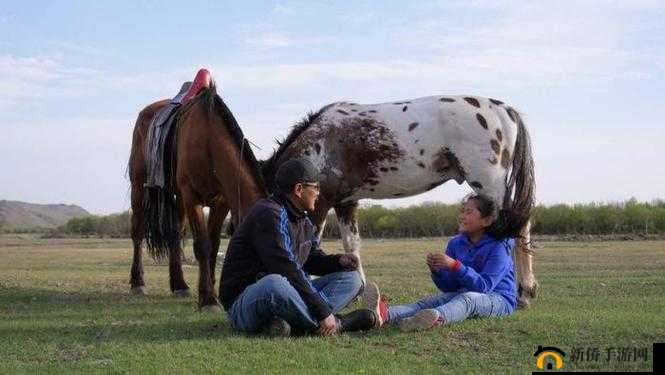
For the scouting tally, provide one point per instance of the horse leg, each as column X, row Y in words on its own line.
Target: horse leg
column 319, row 215
column 202, row 249
column 528, row 285
column 216, row 218
column 177, row 282
column 347, row 214
column 137, row 232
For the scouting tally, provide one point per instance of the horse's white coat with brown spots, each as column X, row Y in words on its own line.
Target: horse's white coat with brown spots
column 440, row 125
column 477, row 134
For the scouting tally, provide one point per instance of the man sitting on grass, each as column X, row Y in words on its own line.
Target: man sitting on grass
column 265, row 284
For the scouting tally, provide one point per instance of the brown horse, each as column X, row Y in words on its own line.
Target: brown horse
column 213, row 166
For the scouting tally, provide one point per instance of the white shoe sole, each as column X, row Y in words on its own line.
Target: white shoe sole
column 371, row 299
column 423, row 320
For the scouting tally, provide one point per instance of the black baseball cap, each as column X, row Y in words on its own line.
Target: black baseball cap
column 295, row 171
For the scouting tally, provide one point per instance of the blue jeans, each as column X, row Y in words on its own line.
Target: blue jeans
column 273, row 296
column 455, row 306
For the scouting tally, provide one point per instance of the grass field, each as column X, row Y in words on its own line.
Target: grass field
column 65, row 307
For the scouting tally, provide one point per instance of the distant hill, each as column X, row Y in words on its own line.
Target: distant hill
column 21, row 215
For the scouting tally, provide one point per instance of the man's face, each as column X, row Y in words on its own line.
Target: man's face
column 307, row 193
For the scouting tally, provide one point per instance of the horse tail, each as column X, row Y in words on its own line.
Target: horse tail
column 160, row 207
column 162, row 229
column 518, row 201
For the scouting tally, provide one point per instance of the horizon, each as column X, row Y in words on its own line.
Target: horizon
column 366, row 203
column 588, row 77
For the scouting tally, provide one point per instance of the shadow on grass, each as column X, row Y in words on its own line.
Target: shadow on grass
column 42, row 298
column 86, row 318
column 93, row 318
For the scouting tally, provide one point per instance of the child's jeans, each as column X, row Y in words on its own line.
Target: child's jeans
column 455, row 306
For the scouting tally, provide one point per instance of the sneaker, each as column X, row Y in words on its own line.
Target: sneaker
column 278, row 327
column 424, row 319
column 376, row 303
column 357, row 320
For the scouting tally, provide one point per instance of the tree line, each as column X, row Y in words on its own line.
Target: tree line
column 440, row 219
column 113, row 226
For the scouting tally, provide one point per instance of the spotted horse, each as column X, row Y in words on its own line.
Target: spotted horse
column 400, row 149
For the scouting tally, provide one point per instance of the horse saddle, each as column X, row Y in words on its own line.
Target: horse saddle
column 160, row 128
column 202, row 80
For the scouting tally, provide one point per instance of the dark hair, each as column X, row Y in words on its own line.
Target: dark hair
column 485, row 204
column 489, row 208
column 295, row 171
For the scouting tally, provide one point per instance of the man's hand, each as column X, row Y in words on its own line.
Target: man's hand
column 437, row 261
column 328, row 326
column 349, row 261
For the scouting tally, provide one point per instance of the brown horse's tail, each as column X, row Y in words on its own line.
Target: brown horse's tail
column 160, row 207
column 519, row 197
column 162, row 223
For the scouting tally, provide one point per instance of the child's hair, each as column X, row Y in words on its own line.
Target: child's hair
column 488, row 208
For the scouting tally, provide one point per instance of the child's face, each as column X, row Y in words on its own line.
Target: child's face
column 470, row 220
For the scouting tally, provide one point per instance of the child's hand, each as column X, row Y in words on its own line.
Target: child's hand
column 437, row 261
column 434, row 261
column 431, row 266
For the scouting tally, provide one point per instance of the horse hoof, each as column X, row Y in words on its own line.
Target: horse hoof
column 211, row 309
column 138, row 290
column 181, row 293
column 533, row 292
column 523, row 303
column 529, row 292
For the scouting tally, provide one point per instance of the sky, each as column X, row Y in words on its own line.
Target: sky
column 588, row 76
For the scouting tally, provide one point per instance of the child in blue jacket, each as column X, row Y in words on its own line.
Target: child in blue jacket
column 475, row 275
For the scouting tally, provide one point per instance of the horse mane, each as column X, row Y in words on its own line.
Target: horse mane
column 269, row 166
column 213, row 103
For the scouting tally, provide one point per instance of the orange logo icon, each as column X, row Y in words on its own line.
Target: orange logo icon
column 551, row 355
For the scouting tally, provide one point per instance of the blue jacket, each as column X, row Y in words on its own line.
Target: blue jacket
column 277, row 238
column 484, row 267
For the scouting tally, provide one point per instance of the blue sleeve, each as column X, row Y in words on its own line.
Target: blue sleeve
column 495, row 268
column 444, row 279
column 319, row 263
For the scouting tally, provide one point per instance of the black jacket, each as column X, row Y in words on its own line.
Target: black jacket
column 276, row 238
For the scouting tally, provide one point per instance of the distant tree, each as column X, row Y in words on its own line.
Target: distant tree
column 439, row 219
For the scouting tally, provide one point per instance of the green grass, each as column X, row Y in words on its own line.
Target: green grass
column 65, row 307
